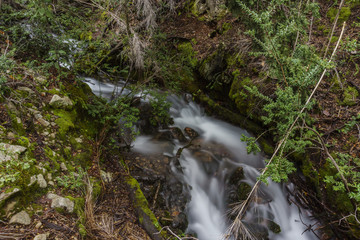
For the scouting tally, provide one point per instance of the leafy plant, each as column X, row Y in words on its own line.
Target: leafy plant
column 72, row 181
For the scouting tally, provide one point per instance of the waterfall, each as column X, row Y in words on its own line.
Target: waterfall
column 206, row 170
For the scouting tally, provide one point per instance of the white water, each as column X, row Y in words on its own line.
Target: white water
column 206, row 210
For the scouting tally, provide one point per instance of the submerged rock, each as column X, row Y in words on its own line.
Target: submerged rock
column 21, row 218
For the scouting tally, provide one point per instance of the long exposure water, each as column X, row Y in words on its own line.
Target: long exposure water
column 207, row 180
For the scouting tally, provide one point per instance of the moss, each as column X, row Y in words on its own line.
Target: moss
column 344, row 14
column 350, row 95
column 65, row 121
column 82, row 230
column 243, row 191
column 97, row 189
column 79, row 205
column 266, row 147
column 142, row 205
column 53, row 157
column 187, row 50
column 274, row 227
column 244, row 101
column 16, row 124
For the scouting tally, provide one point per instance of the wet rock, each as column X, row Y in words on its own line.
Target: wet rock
column 41, row 181
column 236, row 176
column 61, row 202
column 191, row 132
column 61, row 102
column 178, row 134
column 21, row 218
column 274, row 227
column 180, row 222
column 8, row 152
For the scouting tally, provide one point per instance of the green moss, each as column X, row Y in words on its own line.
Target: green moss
column 142, row 203
column 65, row 121
column 350, row 95
column 344, row 14
column 243, row 100
column 97, row 189
column 82, row 230
column 187, row 50
column 16, row 124
column 53, row 157
column 266, row 147
column 274, row 227
column 225, row 27
column 79, row 205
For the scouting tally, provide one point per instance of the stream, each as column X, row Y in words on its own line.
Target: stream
column 206, row 169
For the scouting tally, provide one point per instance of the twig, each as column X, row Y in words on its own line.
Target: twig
column 281, row 142
column 343, row 179
column 156, row 195
column 298, row 32
column 311, row 26
column 334, row 26
column 172, row 233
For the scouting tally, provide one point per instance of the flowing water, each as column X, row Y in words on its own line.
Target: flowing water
column 207, row 180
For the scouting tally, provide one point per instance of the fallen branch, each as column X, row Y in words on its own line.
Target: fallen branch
column 176, row 236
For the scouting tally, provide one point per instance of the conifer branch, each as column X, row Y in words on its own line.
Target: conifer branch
column 246, row 203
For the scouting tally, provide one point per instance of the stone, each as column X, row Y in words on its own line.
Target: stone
column 38, row 225
column 5, row 196
column 32, row 180
column 40, row 79
column 21, row 218
column 8, row 152
column 63, row 167
column 61, row 202
column 9, row 207
column 10, row 135
column 26, row 89
column 41, row 181
column 41, row 237
column 61, row 102
column 41, row 120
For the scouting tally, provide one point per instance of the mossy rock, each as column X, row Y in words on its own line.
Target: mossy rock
column 146, row 217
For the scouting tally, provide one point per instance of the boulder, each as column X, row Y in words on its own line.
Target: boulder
column 6, row 196
column 21, row 218
column 61, row 202
column 8, row 152
column 61, row 102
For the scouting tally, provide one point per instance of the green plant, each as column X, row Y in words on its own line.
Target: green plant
column 348, row 167
column 73, row 181
column 13, row 169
